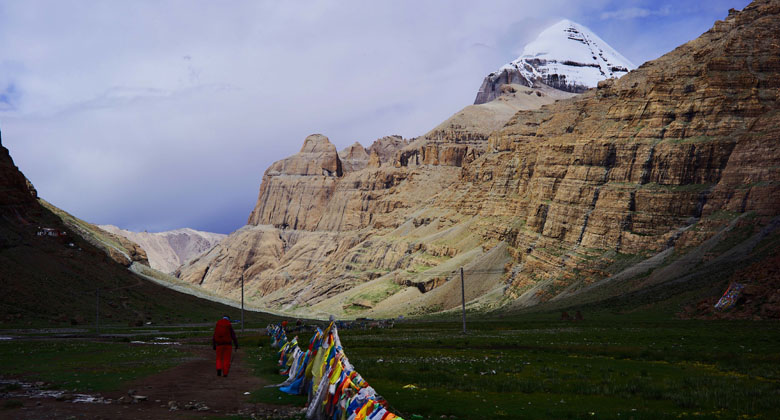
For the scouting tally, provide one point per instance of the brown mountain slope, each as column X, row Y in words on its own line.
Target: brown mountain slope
column 629, row 187
column 309, row 217
column 664, row 156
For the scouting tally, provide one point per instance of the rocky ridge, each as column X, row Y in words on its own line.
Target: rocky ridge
column 635, row 185
column 167, row 251
column 16, row 192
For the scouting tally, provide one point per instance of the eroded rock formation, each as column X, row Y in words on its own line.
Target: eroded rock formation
column 354, row 157
column 295, row 190
column 632, row 185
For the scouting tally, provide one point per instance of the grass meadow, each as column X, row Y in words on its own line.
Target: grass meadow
column 548, row 369
column 79, row 365
column 530, row 367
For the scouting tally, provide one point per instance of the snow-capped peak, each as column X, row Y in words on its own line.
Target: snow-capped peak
column 566, row 56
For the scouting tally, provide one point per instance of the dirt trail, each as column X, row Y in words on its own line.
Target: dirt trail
column 193, row 381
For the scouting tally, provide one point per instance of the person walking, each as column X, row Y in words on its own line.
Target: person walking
column 222, row 341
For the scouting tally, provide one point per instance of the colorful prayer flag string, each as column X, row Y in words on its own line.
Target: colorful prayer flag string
column 335, row 390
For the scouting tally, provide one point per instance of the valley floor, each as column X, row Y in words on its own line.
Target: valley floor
column 43, row 378
column 606, row 366
column 536, row 366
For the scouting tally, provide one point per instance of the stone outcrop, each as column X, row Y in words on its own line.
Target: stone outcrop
column 627, row 187
column 386, row 147
column 354, row 157
column 318, row 157
column 167, row 251
column 295, row 190
column 374, row 161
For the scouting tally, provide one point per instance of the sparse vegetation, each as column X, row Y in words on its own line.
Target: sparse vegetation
column 689, row 140
column 84, row 366
column 622, row 261
column 723, row 215
column 733, row 238
column 693, row 188
column 11, row 404
column 418, row 268
column 265, row 365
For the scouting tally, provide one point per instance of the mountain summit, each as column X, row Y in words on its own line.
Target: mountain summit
column 565, row 56
column 654, row 187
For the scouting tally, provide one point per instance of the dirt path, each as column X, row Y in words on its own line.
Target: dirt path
column 192, row 383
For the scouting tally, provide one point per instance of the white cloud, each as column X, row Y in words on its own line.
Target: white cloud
column 157, row 115
column 635, row 12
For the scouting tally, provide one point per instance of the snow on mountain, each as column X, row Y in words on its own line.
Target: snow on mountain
column 566, row 56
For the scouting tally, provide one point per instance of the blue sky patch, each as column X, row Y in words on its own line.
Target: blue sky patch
column 9, row 97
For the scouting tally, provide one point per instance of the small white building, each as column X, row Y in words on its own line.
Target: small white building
column 50, row 232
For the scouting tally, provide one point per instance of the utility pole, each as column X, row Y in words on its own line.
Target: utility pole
column 463, row 297
column 242, row 302
column 97, row 311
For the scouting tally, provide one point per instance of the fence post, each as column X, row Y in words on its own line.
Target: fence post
column 242, row 302
column 97, row 311
column 463, row 299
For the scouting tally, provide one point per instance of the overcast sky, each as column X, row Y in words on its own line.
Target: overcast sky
column 156, row 115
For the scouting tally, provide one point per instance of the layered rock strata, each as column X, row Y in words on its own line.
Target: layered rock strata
column 630, row 165
column 616, row 183
column 463, row 137
column 294, row 190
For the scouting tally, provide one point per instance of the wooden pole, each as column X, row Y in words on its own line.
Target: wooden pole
column 463, row 298
column 97, row 311
column 242, row 303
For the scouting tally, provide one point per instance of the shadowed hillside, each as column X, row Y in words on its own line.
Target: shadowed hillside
column 49, row 274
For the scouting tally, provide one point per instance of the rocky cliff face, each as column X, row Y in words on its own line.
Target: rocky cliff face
column 294, row 190
column 354, row 158
column 642, row 183
column 167, row 251
column 638, row 164
column 386, row 147
column 463, row 137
